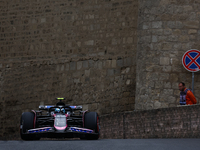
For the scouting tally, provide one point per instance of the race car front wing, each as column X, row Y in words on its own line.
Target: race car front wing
column 70, row 132
column 71, row 129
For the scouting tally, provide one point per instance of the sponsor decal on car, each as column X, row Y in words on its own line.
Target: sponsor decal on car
column 81, row 130
column 39, row 130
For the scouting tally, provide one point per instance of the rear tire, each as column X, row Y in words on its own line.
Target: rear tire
column 27, row 122
column 91, row 121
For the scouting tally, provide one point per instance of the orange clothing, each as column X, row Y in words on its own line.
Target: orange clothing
column 190, row 99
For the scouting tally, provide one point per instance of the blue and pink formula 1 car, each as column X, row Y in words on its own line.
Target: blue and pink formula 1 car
column 59, row 121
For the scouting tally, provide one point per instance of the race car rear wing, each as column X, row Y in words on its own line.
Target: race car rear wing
column 47, row 107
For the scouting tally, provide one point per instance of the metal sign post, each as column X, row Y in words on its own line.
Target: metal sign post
column 191, row 62
column 193, row 82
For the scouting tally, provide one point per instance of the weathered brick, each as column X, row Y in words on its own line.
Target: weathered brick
column 154, row 38
column 192, row 24
column 168, row 31
column 128, row 61
column 110, row 72
column 100, row 64
column 164, row 61
column 72, row 65
column 114, row 63
column 90, row 63
column 157, row 24
column 120, row 62
column 166, row 46
column 90, row 42
column 79, row 65
column 62, row 68
column 67, row 67
column 85, row 64
column 192, row 31
column 87, row 73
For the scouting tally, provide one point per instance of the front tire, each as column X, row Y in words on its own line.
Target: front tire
column 91, row 121
column 26, row 123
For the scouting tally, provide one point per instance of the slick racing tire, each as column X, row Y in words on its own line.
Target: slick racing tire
column 26, row 123
column 91, row 121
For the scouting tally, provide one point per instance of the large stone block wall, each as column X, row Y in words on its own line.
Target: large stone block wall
column 174, row 122
column 83, row 50
column 166, row 30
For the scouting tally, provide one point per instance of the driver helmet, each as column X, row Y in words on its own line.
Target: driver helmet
column 63, row 110
column 57, row 110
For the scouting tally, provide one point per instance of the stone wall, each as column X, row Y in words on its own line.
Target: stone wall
column 174, row 122
column 166, row 30
column 83, row 50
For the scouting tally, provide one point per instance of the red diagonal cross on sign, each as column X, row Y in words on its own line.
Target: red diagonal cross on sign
column 193, row 60
column 194, row 64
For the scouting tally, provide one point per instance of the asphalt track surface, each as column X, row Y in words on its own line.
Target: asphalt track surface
column 104, row 144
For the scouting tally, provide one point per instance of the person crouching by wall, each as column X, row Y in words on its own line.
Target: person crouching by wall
column 186, row 95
